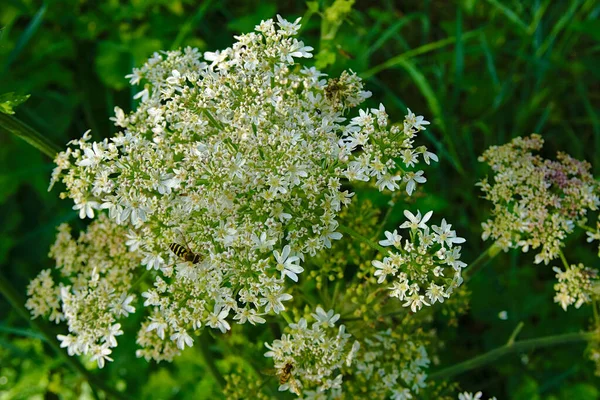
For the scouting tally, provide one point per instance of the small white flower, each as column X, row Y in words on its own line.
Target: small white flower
column 392, row 239
column 436, row 293
column 384, row 269
column 218, row 320
column 262, row 243
column 415, row 221
column 469, row 396
column 86, row 208
column 288, row 28
column 119, row 119
column 123, row 307
column 446, row 236
column 388, row 181
column 249, row 315
column 157, row 325
column 152, row 298
column 399, row 289
column 326, row 318
column 182, row 338
column 92, row 156
column 415, row 301
column 100, row 354
column 153, row 261
column 285, row 264
column 274, row 302
column 411, row 179
column 175, row 78
column 111, row 336
column 70, row 342
column 415, row 121
column 166, row 183
column 427, row 155
column 331, row 234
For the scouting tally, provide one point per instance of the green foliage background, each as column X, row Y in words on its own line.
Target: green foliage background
column 482, row 72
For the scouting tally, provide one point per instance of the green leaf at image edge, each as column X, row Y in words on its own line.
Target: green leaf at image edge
column 10, row 100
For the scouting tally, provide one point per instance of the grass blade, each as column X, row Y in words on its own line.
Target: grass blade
column 510, row 15
column 396, row 61
column 434, row 106
column 27, row 34
column 389, row 32
column 190, row 23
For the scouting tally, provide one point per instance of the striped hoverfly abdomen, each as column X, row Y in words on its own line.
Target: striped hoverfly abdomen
column 184, row 253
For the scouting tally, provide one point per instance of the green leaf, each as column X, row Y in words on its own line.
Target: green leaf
column 8, row 101
column 324, row 58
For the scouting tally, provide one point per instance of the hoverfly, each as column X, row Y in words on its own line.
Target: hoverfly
column 184, row 252
column 285, row 376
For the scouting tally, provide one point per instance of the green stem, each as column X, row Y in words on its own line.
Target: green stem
column 213, row 121
column 515, row 347
column 387, row 215
column 563, row 259
column 10, row 124
column 481, row 261
column 209, row 360
column 587, row 228
column 287, row 317
column 362, row 238
column 17, row 303
column 513, row 336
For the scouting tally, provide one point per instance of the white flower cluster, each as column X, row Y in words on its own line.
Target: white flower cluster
column 381, row 146
column 472, row 396
column 99, row 270
column 576, row 285
column 239, row 161
column 313, row 356
column 536, row 202
column 421, row 264
column 391, row 367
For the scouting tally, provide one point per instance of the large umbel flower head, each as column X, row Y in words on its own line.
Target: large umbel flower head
column 536, row 202
column 238, row 159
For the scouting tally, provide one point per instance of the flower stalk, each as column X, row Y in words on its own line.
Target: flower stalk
column 509, row 348
column 209, row 360
column 10, row 124
column 481, row 261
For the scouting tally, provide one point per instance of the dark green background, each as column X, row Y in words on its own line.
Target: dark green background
column 481, row 71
